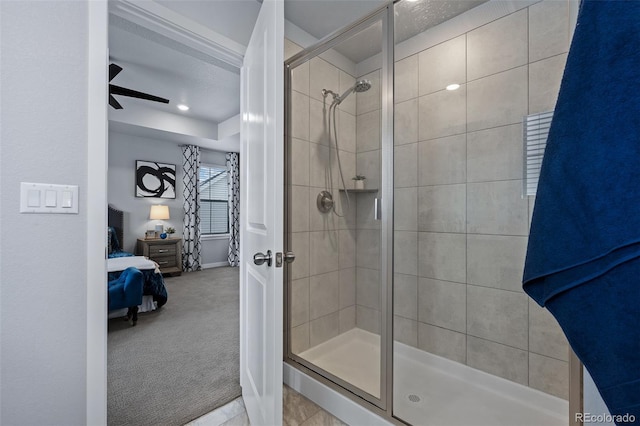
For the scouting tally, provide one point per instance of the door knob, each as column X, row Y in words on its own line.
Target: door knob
column 289, row 256
column 260, row 258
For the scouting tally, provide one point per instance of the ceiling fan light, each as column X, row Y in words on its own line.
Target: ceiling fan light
column 183, row 107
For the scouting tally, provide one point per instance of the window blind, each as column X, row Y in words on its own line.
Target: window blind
column 536, row 130
column 214, row 200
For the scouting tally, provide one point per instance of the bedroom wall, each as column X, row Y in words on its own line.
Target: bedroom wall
column 124, row 150
column 43, row 272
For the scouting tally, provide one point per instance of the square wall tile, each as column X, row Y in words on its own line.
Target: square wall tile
column 299, row 208
column 347, row 287
column 405, row 296
column 346, row 131
column 496, row 261
column 348, row 163
column 548, row 29
column 497, row 100
column 300, row 246
column 300, row 338
column 368, row 165
column 300, row 78
column 347, row 318
column 545, row 335
column 442, row 161
column 498, row 315
column 347, row 248
column 549, row 375
column 368, row 288
column 324, row 294
column 322, row 75
column 498, row 46
column 368, row 131
column 369, row 100
column 500, row 360
column 497, row 208
column 442, row 208
column 323, row 252
column 442, row 113
column 405, row 331
column 405, row 124
column 319, row 122
column 405, row 247
column 299, row 302
column 324, row 328
column 290, row 48
column 368, row 248
column 299, row 116
column 299, row 162
column 442, row 303
column 495, row 154
column 442, row 342
column 544, row 83
column 368, row 319
column 442, row 65
column 319, row 165
column 406, row 79
column 349, row 104
column 405, row 164
column 442, row 256
column 405, row 212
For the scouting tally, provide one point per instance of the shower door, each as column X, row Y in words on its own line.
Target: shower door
column 339, row 208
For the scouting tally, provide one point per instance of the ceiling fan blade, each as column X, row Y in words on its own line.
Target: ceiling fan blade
column 117, row 90
column 114, row 70
column 115, row 104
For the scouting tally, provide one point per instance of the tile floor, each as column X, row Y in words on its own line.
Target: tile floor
column 297, row 411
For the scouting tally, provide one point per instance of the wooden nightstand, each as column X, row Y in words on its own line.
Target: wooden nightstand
column 166, row 253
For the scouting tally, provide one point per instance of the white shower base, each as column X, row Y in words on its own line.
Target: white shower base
column 429, row 389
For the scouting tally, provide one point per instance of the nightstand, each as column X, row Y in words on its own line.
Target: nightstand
column 166, row 253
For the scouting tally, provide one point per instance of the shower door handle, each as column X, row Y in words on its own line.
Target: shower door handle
column 377, row 212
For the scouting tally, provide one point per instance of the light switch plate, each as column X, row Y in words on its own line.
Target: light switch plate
column 53, row 198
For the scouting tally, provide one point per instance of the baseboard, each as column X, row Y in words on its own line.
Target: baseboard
column 214, row 265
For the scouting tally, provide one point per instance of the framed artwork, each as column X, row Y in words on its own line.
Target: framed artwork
column 155, row 180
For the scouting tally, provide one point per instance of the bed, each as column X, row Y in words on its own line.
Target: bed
column 154, row 291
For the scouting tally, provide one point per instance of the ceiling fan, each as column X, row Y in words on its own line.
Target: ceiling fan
column 114, row 70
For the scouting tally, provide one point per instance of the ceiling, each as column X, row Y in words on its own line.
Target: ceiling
column 158, row 63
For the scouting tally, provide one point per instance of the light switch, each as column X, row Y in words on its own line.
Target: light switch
column 33, row 198
column 67, row 199
column 50, row 198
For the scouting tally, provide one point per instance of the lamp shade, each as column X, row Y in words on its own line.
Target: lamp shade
column 159, row 212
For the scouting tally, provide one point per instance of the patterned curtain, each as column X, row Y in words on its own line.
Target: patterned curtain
column 191, row 231
column 233, row 169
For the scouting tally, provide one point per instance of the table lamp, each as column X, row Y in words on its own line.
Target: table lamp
column 159, row 212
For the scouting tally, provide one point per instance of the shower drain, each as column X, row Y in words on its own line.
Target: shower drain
column 414, row 398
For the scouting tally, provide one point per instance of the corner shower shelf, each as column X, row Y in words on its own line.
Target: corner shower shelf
column 361, row 191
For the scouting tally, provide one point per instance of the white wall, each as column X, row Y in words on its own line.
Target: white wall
column 43, row 289
column 124, row 150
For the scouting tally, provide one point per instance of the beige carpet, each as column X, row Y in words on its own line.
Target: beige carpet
column 180, row 361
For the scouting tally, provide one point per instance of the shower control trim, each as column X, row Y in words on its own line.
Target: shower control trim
column 324, row 201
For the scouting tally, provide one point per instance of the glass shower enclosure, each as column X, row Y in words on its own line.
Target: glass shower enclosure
column 404, row 207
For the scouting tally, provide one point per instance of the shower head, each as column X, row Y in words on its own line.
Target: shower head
column 360, row 86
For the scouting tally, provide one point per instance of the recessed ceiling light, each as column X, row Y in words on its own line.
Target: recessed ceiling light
column 412, row 1
column 183, row 107
column 454, row 86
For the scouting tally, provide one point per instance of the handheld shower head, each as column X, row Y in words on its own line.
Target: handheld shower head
column 359, row 87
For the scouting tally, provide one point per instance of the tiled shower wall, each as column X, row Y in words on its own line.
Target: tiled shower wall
column 323, row 284
column 461, row 223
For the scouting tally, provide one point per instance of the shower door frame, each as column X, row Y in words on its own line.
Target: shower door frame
column 383, row 405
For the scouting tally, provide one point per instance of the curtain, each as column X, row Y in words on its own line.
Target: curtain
column 233, row 169
column 191, row 222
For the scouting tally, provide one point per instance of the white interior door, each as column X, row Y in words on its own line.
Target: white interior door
column 262, row 171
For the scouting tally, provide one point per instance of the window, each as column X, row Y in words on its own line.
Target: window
column 214, row 200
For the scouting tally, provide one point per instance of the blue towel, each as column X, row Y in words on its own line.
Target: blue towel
column 583, row 257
